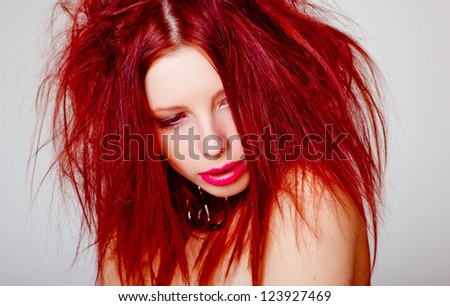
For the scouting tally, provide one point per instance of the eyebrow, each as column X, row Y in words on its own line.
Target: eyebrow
column 176, row 107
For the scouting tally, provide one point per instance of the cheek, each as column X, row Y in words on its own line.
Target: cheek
column 177, row 154
column 234, row 139
column 164, row 144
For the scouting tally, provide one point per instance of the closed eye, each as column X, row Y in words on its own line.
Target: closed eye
column 172, row 122
column 223, row 103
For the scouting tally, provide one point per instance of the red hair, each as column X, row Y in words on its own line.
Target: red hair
column 280, row 66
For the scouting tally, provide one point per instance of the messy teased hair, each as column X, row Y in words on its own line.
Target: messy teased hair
column 281, row 66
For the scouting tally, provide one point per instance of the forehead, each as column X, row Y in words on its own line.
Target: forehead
column 180, row 78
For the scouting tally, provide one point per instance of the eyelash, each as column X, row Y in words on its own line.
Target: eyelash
column 174, row 121
column 224, row 100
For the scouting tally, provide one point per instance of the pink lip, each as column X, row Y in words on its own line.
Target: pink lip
column 224, row 175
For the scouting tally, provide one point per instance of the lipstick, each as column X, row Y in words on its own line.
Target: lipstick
column 224, row 175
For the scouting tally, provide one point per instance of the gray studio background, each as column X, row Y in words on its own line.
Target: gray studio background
column 410, row 40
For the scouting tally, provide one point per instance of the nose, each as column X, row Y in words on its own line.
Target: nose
column 214, row 146
column 213, row 140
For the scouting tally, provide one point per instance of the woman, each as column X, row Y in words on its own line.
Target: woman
column 218, row 142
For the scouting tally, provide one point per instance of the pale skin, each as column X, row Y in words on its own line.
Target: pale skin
column 183, row 89
column 326, row 244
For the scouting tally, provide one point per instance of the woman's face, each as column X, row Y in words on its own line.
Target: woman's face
column 196, row 128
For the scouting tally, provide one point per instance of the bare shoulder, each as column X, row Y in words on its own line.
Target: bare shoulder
column 315, row 238
column 109, row 270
